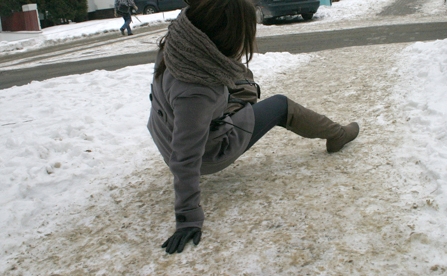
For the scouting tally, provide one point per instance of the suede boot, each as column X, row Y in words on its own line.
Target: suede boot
column 310, row 124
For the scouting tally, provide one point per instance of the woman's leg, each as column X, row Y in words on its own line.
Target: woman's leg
column 268, row 113
column 278, row 110
column 309, row 124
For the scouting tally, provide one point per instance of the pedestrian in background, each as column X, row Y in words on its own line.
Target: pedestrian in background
column 124, row 9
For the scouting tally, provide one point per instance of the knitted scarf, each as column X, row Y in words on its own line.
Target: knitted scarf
column 192, row 57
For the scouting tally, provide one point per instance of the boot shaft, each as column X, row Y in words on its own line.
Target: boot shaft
column 309, row 124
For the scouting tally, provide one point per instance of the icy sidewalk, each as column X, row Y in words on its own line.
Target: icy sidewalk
column 284, row 208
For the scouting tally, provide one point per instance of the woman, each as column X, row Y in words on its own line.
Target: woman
column 199, row 59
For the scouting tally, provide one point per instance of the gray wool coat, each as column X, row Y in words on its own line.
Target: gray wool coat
column 179, row 124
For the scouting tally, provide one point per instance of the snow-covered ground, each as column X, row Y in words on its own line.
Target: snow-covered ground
column 83, row 190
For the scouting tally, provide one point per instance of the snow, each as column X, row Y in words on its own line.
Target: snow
column 83, row 190
column 74, row 31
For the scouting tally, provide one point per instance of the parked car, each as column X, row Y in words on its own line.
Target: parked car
column 269, row 10
column 153, row 6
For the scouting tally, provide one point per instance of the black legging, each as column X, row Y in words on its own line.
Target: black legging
column 268, row 113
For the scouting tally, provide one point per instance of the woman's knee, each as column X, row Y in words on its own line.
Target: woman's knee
column 281, row 103
column 280, row 98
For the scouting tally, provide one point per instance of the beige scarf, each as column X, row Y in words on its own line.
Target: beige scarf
column 192, row 57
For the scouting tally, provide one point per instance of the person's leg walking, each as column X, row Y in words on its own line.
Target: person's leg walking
column 124, row 25
column 127, row 20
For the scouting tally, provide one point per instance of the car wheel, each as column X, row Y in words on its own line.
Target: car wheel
column 307, row 16
column 260, row 19
column 259, row 15
column 149, row 10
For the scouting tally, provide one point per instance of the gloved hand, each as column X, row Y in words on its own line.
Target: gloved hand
column 181, row 237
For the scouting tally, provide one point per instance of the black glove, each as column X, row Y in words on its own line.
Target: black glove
column 181, row 237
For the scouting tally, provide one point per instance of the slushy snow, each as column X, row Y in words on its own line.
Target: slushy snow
column 84, row 191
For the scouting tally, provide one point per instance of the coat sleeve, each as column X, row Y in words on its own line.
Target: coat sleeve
column 192, row 117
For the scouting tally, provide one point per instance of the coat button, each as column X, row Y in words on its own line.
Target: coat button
column 160, row 113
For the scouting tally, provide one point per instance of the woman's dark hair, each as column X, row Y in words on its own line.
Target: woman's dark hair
column 230, row 24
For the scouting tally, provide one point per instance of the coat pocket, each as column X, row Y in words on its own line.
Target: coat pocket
column 220, row 127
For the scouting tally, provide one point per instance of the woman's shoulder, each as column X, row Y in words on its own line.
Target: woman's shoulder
column 180, row 88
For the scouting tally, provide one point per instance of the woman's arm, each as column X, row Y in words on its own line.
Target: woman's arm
column 192, row 117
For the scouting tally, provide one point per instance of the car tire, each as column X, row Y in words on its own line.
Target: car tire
column 149, row 10
column 259, row 15
column 307, row 16
column 260, row 19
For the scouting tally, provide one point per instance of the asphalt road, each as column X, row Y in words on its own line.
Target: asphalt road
column 294, row 43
